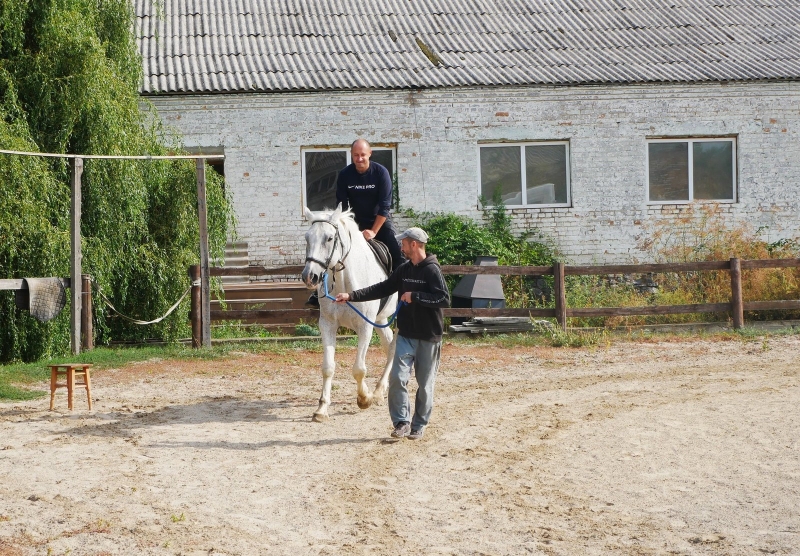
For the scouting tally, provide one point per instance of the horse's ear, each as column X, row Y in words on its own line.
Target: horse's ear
column 337, row 213
column 309, row 214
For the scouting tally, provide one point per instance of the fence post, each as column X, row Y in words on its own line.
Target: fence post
column 87, row 324
column 737, row 307
column 197, row 307
column 202, row 218
column 76, row 170
column 561, row 295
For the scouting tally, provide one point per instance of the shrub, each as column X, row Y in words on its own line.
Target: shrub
column 305, row 329
column 699, row 233
column 458, row 240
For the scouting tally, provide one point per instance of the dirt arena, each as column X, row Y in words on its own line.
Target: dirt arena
column 667, row 447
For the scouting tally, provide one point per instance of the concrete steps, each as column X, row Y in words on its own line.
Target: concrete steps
column 235, row 255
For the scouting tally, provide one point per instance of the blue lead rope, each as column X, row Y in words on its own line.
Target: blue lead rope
column 360, row 314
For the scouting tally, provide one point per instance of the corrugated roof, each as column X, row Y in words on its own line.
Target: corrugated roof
column 206, row 46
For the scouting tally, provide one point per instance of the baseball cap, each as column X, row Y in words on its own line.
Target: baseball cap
column 417, row 234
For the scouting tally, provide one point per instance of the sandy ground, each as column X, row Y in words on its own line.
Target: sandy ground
column 681, row 447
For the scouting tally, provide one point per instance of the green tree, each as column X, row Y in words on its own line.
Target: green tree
column 69, row 78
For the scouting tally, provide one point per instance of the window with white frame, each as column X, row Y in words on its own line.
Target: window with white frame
column 321, row 167
column 526, row 174
column 684, row 170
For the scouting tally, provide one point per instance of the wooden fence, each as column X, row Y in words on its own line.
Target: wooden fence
column 559, row 271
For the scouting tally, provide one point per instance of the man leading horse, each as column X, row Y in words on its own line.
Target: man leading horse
column 420, row 325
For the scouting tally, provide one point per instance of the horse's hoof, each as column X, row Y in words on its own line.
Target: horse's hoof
column 363, row 403
column 319, row 417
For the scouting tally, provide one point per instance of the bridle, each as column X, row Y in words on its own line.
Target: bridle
column 336, row 242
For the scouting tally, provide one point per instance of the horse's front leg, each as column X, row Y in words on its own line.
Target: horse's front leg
column 328, row 333
column 364, row 399
column 388, row 340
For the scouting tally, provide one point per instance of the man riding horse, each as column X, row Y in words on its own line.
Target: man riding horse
column 365, row 188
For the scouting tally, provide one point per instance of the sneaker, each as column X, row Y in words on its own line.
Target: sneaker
column 401, row 430
column 416, row 434
column 313, row 301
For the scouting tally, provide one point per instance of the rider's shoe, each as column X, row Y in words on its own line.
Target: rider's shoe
column 313, row 301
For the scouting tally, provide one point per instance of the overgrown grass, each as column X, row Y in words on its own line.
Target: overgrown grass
column 699, row 232
column 306, row 329
column 236, row 329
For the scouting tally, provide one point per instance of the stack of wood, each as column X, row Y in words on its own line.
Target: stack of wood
column 497, row 325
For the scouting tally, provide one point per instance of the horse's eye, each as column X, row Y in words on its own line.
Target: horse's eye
column 330, row 239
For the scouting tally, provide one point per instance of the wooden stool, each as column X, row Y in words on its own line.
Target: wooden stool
column 70, row 370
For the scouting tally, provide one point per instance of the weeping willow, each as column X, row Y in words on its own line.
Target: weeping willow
column 69, row 79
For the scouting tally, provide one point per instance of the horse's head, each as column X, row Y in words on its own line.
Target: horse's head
column 324, row 244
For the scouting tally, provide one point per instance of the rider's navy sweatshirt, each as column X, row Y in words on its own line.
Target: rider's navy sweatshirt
column 367, row 195
column 422, row 319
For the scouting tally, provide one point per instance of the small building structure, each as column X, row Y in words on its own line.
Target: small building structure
column 478, row 291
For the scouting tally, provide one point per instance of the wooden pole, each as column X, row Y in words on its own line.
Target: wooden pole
column 197, row 296
column 202, row 213
column 75, row 254
column 561, row 295
column 87, row 324
column 737, row 306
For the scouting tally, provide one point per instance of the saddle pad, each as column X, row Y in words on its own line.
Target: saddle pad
column 382, row 254
column 385, row 258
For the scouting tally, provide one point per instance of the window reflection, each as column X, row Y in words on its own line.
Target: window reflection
column 713, row 170
column 501, row 170
column 669, row 171
column 322, row 168
column 545, row 172
column 712, row 176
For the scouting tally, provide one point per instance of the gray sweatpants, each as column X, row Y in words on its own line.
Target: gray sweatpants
column 423, row 357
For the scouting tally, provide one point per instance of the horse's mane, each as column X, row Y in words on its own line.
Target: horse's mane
column 349, row 220
column 346, row 217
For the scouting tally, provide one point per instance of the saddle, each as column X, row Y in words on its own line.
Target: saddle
column 382, row 254
column 385, row 258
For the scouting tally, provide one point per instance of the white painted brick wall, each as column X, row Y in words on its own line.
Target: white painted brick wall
column 437, row 134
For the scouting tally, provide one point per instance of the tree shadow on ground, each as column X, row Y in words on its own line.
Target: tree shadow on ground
column 132, row 420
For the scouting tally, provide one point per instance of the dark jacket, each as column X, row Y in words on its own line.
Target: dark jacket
column 368, row 194
column 422, row 319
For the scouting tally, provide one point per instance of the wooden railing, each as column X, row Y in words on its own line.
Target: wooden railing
column 559, row 271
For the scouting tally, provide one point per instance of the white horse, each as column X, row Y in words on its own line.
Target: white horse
column 334, row 245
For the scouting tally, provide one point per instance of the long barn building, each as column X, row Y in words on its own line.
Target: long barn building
column 597, row 121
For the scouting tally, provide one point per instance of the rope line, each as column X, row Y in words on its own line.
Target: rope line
column 360, row 314
column 137, row 321
column 118, row 157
